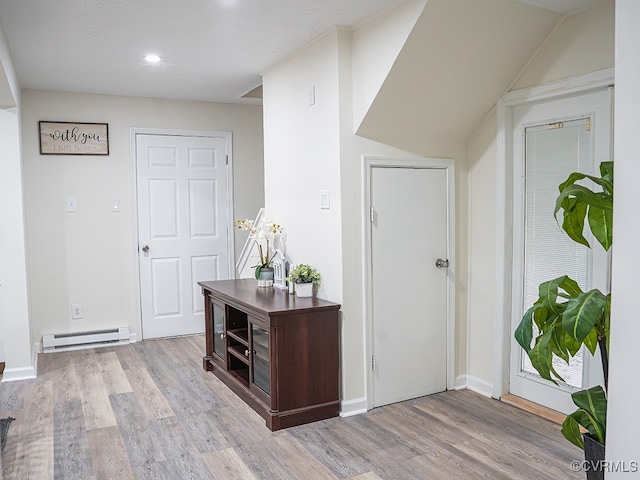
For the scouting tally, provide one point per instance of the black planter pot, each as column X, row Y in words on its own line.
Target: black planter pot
column 594, row 458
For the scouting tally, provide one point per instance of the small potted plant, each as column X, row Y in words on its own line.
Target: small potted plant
column 265, row 237
column 305, row 277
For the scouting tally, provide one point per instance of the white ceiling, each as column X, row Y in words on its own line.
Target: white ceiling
column 212, row 50
column 563, row 6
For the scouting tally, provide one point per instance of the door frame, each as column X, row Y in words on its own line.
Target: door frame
column 368, row 163
column 134, row 131
column 578, row 85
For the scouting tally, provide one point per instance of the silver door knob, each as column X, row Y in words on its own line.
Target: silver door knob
column 145, row 248
column 441, row 263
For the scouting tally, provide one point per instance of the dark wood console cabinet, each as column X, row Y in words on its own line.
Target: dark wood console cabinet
column 277, row 352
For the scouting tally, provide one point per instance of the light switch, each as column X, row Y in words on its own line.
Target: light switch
column 115, row 205
column 312, row 95
column 325, row 199
column 72, row 204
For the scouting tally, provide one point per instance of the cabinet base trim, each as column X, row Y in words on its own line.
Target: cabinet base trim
column 274, row 420
column 300, row 416
column 206, row 363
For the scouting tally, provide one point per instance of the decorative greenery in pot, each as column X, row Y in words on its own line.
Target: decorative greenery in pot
column 304, row 273
column 305, row 277
column 265, row 237
column 566, row 317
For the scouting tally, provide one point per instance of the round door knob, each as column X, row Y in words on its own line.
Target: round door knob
column 145, row 248
column 440, row 263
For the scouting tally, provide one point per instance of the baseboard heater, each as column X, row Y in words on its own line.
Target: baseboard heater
column 75, row 341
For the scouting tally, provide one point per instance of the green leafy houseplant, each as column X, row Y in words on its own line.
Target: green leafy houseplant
column 304, row 273
column 566, row 317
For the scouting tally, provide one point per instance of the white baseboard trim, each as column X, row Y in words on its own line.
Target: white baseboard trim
column 34, row 361
column 349, row 408
column 22, row 373
column 460, row 382
column 28, row 373
column 475, row 384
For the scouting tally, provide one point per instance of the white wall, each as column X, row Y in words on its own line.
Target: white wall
column 582, row 44
column 482, row 251
column 310, row 148
column 14, row 312
column 364, row 50
column 15, row 341
column 458, row 59
column 355, row 365
column 623, row 421
column 585, row 38
column 88, row 257
column 375, row 47
column 302, row 157
column 9, row 87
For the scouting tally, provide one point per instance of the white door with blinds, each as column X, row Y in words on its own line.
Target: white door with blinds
column 553, row 139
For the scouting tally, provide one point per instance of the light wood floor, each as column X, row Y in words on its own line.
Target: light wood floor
column 149, row 411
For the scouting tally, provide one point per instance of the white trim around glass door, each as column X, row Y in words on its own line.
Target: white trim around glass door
column 539, row 116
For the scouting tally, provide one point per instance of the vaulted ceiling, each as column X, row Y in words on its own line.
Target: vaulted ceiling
column 212, row 50
column 460, row 57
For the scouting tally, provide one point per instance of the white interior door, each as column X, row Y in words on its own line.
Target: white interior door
column 409, row 293
column 551, row 140
column 183, row 228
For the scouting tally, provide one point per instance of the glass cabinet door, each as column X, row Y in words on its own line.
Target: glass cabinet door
column 219, row 344
column 261, row 369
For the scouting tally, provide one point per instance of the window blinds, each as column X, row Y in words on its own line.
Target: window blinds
column 552, row 152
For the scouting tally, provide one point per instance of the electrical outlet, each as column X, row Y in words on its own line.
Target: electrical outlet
column 76, row 311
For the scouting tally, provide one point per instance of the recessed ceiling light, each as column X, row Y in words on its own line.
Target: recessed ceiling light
column 152, row 58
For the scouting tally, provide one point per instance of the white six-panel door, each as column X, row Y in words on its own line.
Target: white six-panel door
column 182, row 228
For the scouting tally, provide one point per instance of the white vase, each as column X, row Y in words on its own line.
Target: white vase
column 304, row 289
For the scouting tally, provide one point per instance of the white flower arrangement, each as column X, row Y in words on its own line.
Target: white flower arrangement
column 265, row 236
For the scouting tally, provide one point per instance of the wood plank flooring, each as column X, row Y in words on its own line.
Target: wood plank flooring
column 149, row 411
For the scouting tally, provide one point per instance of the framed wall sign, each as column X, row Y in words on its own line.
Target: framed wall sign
column 66, row 138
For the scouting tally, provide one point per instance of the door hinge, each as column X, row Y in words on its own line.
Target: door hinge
column 227, row 159
column 371, row 214
column 373, row 362
column 588, row 124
